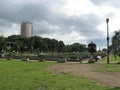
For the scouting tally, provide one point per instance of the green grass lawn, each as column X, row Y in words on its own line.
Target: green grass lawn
column 112, row 67
column 109, row 68
column 111, row 59
column 18, row 75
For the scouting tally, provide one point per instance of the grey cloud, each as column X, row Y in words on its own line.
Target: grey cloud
column 25, row 13
column 4, row 23
column 100, row 42
column 98, row 2
column 89, row 23
column 85, row 25
column 115, row 3
column 42, row 27
column 26, row 10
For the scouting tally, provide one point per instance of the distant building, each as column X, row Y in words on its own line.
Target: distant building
column 26, row 29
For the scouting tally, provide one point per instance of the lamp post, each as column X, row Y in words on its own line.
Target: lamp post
column 107, row 21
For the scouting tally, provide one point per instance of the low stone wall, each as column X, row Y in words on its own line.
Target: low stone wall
column 73, row 58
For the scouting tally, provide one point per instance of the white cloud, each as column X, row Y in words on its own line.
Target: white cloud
column 77, row 7
column 69, row 38
column 13, row 30
column 81, row 7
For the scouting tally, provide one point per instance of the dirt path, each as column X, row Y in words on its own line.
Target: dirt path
column 87, row 71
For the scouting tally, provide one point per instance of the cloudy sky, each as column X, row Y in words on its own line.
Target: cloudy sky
column 71, row 21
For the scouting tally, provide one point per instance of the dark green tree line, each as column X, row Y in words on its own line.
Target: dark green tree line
column 36, row 43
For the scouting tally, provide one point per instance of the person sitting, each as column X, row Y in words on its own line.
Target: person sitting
column 98, row 57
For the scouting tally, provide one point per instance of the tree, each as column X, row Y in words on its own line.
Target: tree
column 116, row 43
column 31, row 44
column 92, row 47
column 68, row 48
column 47, row 43
column 2, row 44
column 19, row 41
column 60, row 46
column 78, row 47
column 54, row 45
column 38, row 43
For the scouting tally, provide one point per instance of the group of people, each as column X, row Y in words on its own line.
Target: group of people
column 96, row 58
column 92, row 58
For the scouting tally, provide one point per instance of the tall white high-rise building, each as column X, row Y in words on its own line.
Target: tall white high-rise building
column 26, row 29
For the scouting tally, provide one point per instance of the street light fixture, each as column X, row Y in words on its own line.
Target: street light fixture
column 107, row 21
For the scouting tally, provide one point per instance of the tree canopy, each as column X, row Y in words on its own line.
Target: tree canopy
column 92, row 47
column 37, row 43
column 116, row 43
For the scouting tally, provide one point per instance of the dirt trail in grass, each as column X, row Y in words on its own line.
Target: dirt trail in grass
column 88, row 71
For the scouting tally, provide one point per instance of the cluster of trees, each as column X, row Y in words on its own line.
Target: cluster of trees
column 36, row 43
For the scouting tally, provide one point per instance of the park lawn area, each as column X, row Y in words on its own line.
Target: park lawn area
column 112, row 67
column 19, row 75
column 109, row 68
column 111, row 59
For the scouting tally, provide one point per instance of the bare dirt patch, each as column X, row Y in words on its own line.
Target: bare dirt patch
column 87, row 71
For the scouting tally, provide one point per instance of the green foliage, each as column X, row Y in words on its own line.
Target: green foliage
column 78, row 47
column 92, row 47
column 116, row 43
column 17, row 75
column 2, row 44
column 60, row 46
column 35, row 43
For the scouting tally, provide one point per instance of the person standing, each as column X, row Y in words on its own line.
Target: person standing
column 80, row 58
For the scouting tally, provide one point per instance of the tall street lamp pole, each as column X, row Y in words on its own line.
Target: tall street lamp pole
column 107, row 21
